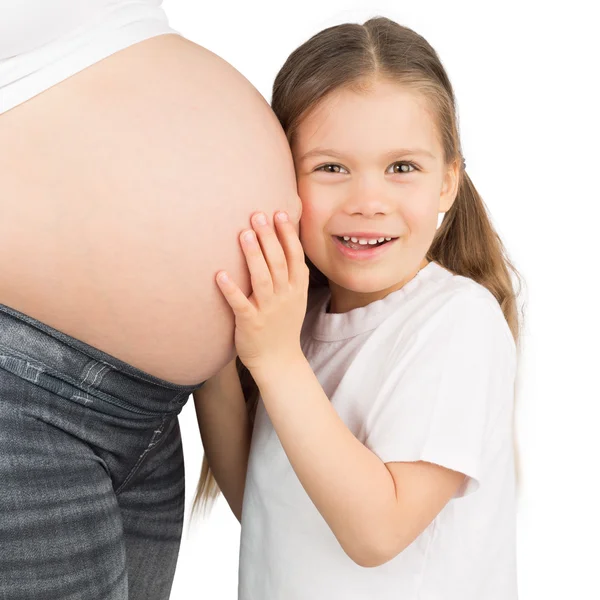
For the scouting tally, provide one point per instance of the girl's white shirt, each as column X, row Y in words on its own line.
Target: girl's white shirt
column 44, row 42
column 426, row 373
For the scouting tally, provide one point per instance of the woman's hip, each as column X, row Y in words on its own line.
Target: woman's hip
column 91, row 464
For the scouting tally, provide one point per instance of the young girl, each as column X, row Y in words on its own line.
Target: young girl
column 383, row 433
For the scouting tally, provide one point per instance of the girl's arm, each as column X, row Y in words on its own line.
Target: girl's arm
column 374, row 509
column 226, row 431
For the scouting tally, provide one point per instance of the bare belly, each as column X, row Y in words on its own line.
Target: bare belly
column 122, row 192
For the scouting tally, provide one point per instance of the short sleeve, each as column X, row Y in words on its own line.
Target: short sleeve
column 442, row 388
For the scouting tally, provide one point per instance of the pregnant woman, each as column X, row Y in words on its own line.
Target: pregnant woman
column 130, row 159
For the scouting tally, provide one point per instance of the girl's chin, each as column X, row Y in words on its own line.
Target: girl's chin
column 362, row 285
column 360, row 280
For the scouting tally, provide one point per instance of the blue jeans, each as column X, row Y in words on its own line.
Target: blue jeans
column 91, row 470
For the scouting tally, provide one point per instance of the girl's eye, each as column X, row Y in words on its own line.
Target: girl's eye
column 403, row 167
column 397, row 167
column 331, row 168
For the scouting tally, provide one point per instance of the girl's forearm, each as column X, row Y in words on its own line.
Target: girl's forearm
column 225, row 429
column 350, row 486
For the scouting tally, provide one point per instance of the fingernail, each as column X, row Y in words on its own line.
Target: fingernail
column 281, row 217
column 260, row 219
column 249, row 236
column 222, row 277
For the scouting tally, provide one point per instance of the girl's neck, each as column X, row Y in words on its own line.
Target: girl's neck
column 343, row 300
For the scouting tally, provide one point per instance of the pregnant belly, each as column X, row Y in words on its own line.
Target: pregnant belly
column 122, row 192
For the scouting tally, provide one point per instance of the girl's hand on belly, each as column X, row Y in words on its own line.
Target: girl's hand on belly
column 268, row 322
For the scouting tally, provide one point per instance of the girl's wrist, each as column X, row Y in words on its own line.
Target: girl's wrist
column 277, row 366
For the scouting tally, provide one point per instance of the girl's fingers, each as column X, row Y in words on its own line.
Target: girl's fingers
column 272, row 251
column 260, row 276
column 292, row 248
column 241, row 306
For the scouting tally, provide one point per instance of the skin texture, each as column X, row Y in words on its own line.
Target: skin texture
column 122, row 192
column 374, row 509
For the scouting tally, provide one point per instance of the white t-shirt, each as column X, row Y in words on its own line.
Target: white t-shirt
column 43, row 42
column 426, row 373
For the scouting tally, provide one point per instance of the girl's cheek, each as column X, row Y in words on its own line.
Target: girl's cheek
column 310, row 226
column 302, row 186
column 308, row 211
column 419, row 215
column 305, row 227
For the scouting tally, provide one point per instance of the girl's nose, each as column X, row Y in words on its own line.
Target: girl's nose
column 368, row 202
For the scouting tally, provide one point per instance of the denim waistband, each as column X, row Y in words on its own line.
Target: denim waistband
column 29, row 347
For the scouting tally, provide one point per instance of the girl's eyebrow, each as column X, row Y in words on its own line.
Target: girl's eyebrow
column 387, row 155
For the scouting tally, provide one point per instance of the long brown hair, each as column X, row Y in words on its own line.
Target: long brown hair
column 352, row 55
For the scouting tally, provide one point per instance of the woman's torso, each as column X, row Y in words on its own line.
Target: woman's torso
column 122, row 191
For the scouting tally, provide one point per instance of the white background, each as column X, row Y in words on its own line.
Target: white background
column 524, row 75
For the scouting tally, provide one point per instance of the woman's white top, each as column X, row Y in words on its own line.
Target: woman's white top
column 43, row 42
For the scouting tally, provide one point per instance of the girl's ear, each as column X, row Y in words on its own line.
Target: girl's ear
column 450, row 187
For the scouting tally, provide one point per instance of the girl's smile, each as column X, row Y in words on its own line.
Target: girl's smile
column 362, row 246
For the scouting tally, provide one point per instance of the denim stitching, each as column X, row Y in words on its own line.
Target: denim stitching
column 137, row 375
column 26, row 373
column 153, row 442
column 90, row 366
column 87, row 398
column 42, row 368
column 101, row 373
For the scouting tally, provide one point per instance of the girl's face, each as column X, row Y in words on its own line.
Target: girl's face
column 369, row 166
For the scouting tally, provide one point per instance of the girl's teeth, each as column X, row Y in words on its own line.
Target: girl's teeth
column 356, row 243
column 364, row 241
